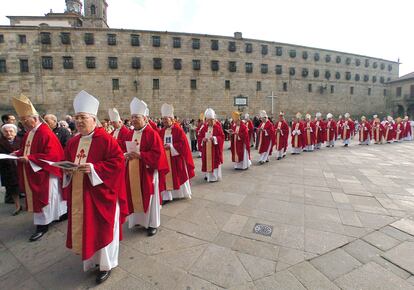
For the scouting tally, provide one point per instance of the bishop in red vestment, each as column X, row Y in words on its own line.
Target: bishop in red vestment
column 320, row 131
column 297, row 132
column 331, row 129
column 212, row 147
column 250, row 127
column 281, row 136
column 339, row 127
column 399, row 130
column 179, row 157
column 389, row 130
column 347, row 130
column 365, row 131
column 120, row 131
column 200, row 126
column 239, row 143
column 377, row 131
column 309, row 134
column 266, row 137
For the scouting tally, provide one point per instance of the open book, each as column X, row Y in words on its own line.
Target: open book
column 62, row 164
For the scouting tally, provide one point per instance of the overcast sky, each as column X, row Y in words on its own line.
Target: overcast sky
column 378, row 28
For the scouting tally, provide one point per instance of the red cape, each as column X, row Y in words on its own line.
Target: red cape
column 242, row 138
column 365, row 131
column 122, row 135
column 268, row 137
column 331, row 127
column 217, row 149
column 284, row 134
column 349, row 131
column 320, row 131
column 99, row 202
column 300, row 137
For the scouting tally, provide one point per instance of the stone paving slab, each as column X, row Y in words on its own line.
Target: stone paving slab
column 406, row 225
column 402, row 256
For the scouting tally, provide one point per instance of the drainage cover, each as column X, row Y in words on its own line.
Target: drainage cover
column 262, row 229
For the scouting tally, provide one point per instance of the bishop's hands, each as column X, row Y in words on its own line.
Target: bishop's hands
column 85, row 168
column 132, row 155
column 167, row 146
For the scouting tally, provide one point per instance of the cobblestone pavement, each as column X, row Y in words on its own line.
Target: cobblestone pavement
column 338, row 218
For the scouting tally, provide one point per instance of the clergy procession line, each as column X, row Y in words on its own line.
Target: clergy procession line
column 101, row 180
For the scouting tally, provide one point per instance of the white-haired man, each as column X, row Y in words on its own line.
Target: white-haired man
column 41, row 181
column 61, row 133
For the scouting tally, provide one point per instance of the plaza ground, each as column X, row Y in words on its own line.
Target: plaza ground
column 337, row 218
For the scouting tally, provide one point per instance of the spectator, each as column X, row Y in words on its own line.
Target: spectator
column 8, row 119
column 193, row 135
column 61, row 133
column 71, row 123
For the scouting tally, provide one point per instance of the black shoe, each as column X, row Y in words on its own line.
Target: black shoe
column 9, row 200
column 346, row 145
column 40, row 231
column 22, row 195
column 63, row 217
column 102, row 276
column 279, row 158
column 164, row 202
column 17, row 211
column 151, row 231
column 205, row 178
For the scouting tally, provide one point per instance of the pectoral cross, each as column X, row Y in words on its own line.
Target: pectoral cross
column 136, row 141
column 81, row 156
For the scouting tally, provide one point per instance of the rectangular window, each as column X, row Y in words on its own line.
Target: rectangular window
column 249, row 67
column 232, row 66
column 89, row 38
column 24, row 65
column 177, row 64
column 155, row 84
column 285, row 88
column 369, row 91
column 196, row 64
column 196, row 43
column 115, row 84
column 1, row 38
column 310, row 88
column 412, row 91
column 351, row 90
column 265, row 49
column 90, row 62
column 214, row 44
column 193, row 84
column 385, row 92
column 157, row 63
column 156, row 41
column 214, row 65
column 135, row 40
column 136, row 63
column 227, row 84
column 22, row 38
column 264, row 68
column 113, row 62
column 249, row 48
column 67, row 62
column 398, row 92
column 232, row 46
column 111, row 39
column 258, row 86
column 278, row 69
column 279, row 51
column 332, row 89
column 3, row 67
column 65, row 37
column 176, row 42
column 47, row 62
column 45, row 38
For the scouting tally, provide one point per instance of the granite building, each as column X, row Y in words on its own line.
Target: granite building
column 52, row 57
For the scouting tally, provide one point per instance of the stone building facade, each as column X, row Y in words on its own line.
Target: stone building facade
column 190, row 71
column 400, row 97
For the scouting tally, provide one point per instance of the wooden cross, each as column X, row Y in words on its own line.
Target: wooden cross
column 81, row 155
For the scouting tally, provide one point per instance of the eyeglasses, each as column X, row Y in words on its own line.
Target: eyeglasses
column 81, row 117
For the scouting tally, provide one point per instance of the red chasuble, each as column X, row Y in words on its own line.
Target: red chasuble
column 281, row 134
column 91, row 209
column 212, row 154
column 377, row 131
column 266, row 137
column 330, row 132
column 347, row 130
column 309, row 133
column 181, row 166
column 320, row 131
column 121, row 135
column 239, row 138
column 153, row 125
column 250, row 128
column 399, row 131
column 365, row 131
column 200, row 126
column 389, row 131
column 407, row 128
column 297, row 140
column 140, row 173
column 43, row 144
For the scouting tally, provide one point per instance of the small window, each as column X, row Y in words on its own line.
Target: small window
column 348, row 60
column 3, row 67
column 90, row 62
column 375, row 64
column 292, row 53
column 1, row 38
column 357, row 77
column 93, row 10
column 337, row 75
column 155, row 84
column 258, row 86
column 113, row 62
column 135, row 40
column 292, row 71
column 388, row 79
column 115, row 84
column 338, row 59
column 214, row 44
column 24, row 65
column 369, row 91
column 227, row 84
column 22, row 38
column 263, row 68
column 315, row 73
column 249, row 48
column 316, row 56
column 382, row 79
column 278, row 69
column 136, row 63
column 176, row 42
column 357, row 62
column 279, row 51
column 232, row 66
column 285, row 88
column 156, row 41
column 351, row 90
column 177, row 64
column 111, row 39
column 310, row 88
column 196, row 43
column 67, row 62
column 249, row 67
column 265, row 49
column 389, row 67
column 214, row 65
column 327, row 58
column 193, row 84
column 348, row 75
column 45, row 38
column 305, row 72
column 305, row 55
column 382, row 66
column 398, row 92
column 327, row 74
column 366, row 78
column 89, row 39
column 232, row 46
column 385, row 92
column 196, row 64
column 332, row 89
column 65, row 37
column 367, row 63
column 157, row 63
column 374, row 79
column 47, row 62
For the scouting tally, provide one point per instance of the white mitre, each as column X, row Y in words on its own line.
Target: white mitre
column 85, row 103
column 210, row 114
column 114, row 115
column 138, row 107
column 167, row 111
column 262, row 114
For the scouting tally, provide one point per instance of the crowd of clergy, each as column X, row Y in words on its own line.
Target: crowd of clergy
column 98, row 180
